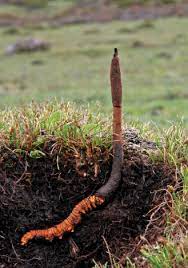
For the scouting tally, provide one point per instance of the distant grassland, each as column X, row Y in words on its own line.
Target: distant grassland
column 131, row 2
column 44, row 8
column 154, row 63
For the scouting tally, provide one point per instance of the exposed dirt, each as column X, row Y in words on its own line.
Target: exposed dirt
column 97, row 11
column 40, row 193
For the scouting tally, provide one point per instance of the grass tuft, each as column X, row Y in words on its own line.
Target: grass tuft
column 28, row 128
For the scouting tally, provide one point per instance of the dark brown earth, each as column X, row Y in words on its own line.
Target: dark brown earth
column 97, row 11
column 38, row 193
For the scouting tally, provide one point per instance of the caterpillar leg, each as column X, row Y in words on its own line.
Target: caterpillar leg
column 68, row 224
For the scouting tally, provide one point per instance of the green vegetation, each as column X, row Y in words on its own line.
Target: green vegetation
column 172, row 254
column 36, row 3
column 130, row 2
column 27, row 129
column 153, row 58
column 36, row 8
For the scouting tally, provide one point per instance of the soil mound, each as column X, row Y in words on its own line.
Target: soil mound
column 38, row 193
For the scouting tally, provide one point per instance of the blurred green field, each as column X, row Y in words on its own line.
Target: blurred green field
column 49, row 7
column 154, row 63
column 130, row 2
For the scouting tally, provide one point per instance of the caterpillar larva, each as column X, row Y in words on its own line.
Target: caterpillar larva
column 68, row 224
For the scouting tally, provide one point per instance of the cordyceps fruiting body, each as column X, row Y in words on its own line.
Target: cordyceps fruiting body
column 113, row 182
column 116, row 89
column 68, row 224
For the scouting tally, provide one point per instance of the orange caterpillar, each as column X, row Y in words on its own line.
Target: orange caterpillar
column 68, row 224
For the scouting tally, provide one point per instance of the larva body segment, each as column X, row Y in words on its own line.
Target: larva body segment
column 68, row 224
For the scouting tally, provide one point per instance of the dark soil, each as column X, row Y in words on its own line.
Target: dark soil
column 38, row 193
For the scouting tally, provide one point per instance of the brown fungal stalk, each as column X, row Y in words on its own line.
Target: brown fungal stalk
column 116, row 90
column 113, row 182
